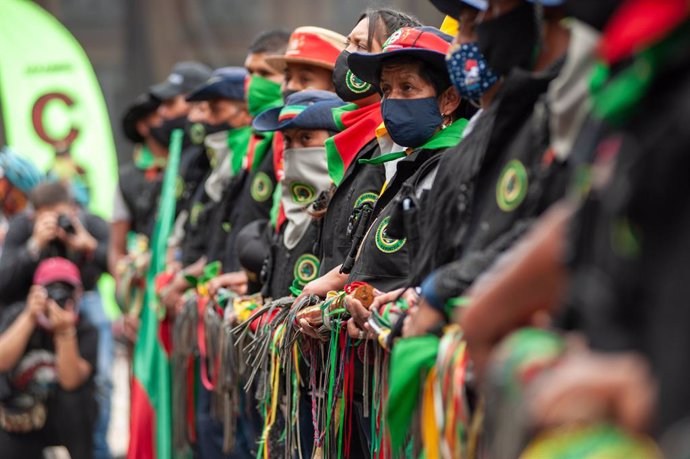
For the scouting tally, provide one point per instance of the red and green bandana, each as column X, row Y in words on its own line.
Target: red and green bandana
column 277, row 211
column 650, row 34
column 358, row 128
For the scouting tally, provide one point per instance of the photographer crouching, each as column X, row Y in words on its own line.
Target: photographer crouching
column 47, row 357
column 58, row 227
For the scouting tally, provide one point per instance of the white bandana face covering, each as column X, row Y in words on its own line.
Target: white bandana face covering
column 219, row 155
column 306, row 176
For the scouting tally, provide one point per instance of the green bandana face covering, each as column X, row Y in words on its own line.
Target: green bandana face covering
column 262, row 94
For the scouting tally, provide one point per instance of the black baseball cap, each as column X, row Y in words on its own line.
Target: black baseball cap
column 184, row 78
column 225, row 83
column 142, row 107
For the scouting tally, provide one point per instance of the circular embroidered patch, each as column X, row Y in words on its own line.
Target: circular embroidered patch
column 355, row 84
column 511, row 188
column 366, row 197
column 197, row 132
column 262, row 187
column 386, row 244
column 195, row 213
column 302, row 193
column 179, row 187
column 306, row 268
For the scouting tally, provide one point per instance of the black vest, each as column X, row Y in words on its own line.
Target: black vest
column 361, row 183
column 141, row 196
column 299, row 264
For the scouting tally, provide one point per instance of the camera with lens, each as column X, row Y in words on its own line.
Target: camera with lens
column 65, row 223
column 60, row 292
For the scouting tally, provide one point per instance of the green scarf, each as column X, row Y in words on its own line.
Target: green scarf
column 445, row 138
column 238, row 142
column 411, row 359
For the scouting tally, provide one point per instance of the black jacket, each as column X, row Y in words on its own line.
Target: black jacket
column 383, row 261
column 361, row 183
column 489, row 191
column 141, row 195
column 17, row 265
column 630, row 245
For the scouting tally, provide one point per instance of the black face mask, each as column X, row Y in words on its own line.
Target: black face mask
column 347, row 85
column 509, row 40
column 197, row 132
column 596, row 13
column 163, row 132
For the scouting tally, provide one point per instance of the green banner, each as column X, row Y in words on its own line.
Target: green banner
column 51, row 101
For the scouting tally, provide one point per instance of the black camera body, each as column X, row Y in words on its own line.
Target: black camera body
column 65, row 223
column 60, row 292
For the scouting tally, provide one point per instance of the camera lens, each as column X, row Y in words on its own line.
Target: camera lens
column 65, row 223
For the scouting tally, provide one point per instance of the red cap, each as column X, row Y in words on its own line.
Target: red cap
column 311, row 46
column 425, row 43
column 57, row 270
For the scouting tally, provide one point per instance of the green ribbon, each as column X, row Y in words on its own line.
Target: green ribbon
column 262, row 94
column 211, row 270
column 238, row 142
column 411, row 359
column 445, row 138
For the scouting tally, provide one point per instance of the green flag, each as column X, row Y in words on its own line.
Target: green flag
column 151, row 412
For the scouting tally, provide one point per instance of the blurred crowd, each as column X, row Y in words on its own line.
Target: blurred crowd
column 413, row 241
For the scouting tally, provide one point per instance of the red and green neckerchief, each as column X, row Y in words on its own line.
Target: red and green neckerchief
column 649, row 34
column 146, row 161
column 358, row 126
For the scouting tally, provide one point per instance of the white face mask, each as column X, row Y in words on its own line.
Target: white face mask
column 219, row 156
column 306, row 176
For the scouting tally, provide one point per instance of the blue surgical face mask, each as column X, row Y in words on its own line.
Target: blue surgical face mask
column 469, row 71
column 411, row 122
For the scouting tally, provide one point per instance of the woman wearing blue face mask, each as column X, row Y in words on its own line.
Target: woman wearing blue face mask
column 421, row 111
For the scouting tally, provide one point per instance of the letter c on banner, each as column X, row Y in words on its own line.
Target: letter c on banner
column 37, row 118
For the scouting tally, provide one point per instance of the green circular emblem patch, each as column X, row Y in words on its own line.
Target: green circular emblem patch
column 195, row 212
column 366, row 197
column 197, row 132
column 386, row 244
column 302, row 193
column 306, row 268
column 179, row 187
column 355, row 84
column 511, row 188
column 262, row 187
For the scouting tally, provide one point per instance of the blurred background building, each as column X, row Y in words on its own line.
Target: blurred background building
column 133, row 43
